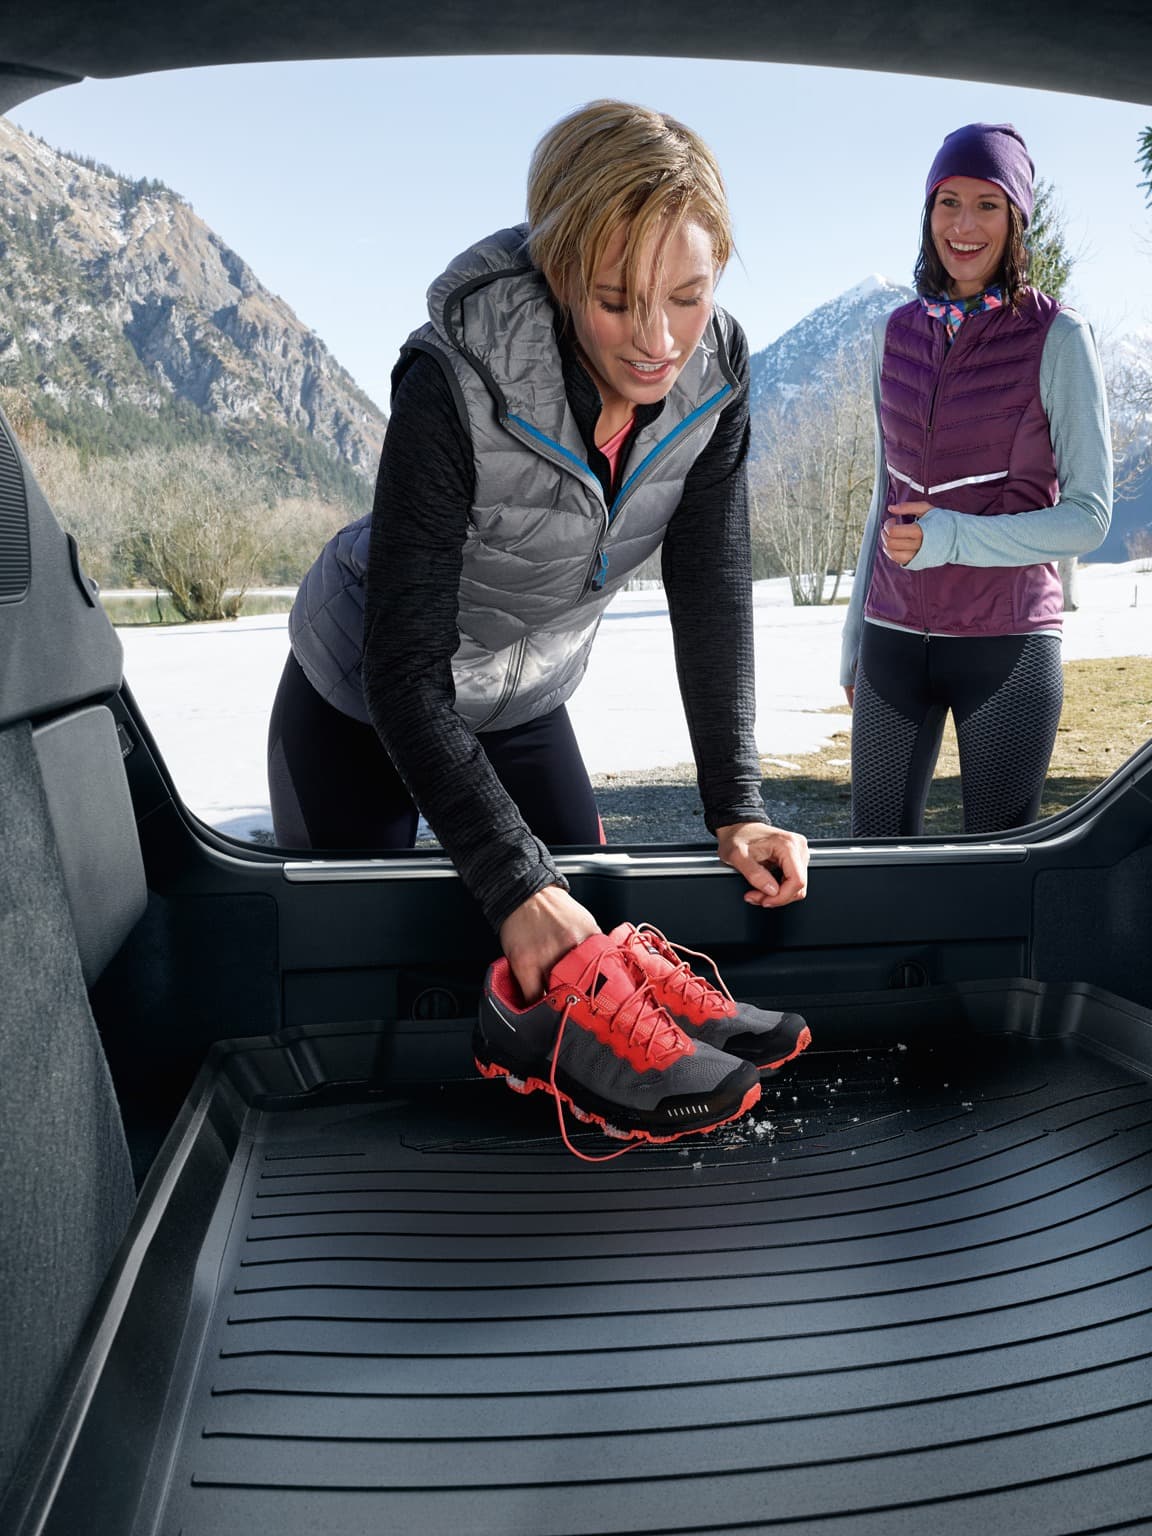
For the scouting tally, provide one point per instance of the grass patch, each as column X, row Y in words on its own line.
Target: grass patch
column 1107, row 716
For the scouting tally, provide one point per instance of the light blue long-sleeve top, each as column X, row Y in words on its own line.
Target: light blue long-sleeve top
column 1074, row 400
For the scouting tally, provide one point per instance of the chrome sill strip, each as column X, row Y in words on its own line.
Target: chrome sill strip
column 650, row 865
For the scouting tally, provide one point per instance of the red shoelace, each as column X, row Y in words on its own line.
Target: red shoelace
column 684, row 978
column 649, row 1029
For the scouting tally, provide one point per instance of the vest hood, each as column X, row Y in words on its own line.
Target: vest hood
column 492, row 305
column 506, row 251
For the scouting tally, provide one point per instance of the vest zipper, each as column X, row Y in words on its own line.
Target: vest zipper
column 924, row 476
column 557, row 454
column 948, row 355
column 932, row 407
column 598, row 565
column 564, row 459
column 511, row 681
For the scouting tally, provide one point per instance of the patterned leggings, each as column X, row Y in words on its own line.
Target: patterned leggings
column 1005, row 693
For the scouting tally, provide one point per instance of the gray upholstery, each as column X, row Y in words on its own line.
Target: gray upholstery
column 57, row 647
column 95, row 828
column 71, row 888
column 66, row 1188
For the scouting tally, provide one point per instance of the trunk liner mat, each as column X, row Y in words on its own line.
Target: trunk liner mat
column 913, row 1293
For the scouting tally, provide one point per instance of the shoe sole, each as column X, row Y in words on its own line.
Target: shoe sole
column 803, row 1041
column 494, row 1069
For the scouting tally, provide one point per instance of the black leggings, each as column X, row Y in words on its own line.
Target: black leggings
column 333, row 785
column 1005, row 693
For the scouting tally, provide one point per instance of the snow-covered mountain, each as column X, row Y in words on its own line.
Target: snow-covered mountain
column 803, row 356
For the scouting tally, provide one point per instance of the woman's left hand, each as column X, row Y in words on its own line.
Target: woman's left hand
column 774, row 862
column 902, row 541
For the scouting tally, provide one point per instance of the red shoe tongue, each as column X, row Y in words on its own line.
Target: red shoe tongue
column 600, row 968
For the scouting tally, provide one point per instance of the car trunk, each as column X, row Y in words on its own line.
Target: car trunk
column 364, row 1290
column 277, row 1261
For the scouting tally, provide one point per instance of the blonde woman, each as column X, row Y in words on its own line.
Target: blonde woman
column 575, row 401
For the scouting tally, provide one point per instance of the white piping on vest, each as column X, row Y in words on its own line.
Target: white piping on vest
column 907, row 479
column 946, row 485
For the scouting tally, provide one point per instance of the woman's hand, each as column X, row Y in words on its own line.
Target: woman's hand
column 774, row 862
column 850, row 694
column 541, row 931
column 902, row 541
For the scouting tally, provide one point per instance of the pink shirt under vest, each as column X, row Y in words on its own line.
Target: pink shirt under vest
column 613, row 447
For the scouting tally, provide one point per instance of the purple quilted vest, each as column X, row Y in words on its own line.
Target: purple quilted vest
column 964, row 428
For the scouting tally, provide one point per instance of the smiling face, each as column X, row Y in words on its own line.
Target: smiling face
column 969, row 224
column 636, row 351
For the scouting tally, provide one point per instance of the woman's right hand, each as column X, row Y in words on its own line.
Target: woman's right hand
column 850, row 694
column 541, row 931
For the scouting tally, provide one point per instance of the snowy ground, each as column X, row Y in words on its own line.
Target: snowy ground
column 206, row 689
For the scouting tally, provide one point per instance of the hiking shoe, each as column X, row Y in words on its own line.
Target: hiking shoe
column 600, row 1043
column 710, row 1013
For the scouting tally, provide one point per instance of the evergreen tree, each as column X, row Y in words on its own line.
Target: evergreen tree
column 1049, row 268
column 1051, row 261
column 1144, row 161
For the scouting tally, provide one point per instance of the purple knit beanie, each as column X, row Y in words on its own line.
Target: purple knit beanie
column 989, row 152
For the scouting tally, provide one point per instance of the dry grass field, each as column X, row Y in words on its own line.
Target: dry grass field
column 1107, row 715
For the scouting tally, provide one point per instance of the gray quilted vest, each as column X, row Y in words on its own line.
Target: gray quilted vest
column 545, row 553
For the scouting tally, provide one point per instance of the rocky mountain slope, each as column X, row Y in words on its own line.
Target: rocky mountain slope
column 126, row 321
column 803, row 357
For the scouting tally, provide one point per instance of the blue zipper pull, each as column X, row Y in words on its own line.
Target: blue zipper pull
column 601, row 575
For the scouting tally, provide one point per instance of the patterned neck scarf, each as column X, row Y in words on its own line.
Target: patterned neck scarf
column 954, row 312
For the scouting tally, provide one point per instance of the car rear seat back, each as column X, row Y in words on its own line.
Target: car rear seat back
column 71, row 888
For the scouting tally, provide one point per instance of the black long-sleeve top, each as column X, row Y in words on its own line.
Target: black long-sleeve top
column 424, row 495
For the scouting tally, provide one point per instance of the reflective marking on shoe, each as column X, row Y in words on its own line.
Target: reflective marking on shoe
column 500, row 1014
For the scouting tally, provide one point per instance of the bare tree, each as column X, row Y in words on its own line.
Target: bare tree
column 200, row 522
column 1128, row 381
column 1139, row 547
column 811, row 475
column 299, row 527
column 83, row 490
column 193, row 521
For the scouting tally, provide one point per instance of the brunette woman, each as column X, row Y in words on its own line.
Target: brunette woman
column 993, row 462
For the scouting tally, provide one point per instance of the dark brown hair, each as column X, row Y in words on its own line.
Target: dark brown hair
column 932, row 280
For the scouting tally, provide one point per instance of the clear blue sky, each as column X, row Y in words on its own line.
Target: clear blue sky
column 347, row 186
